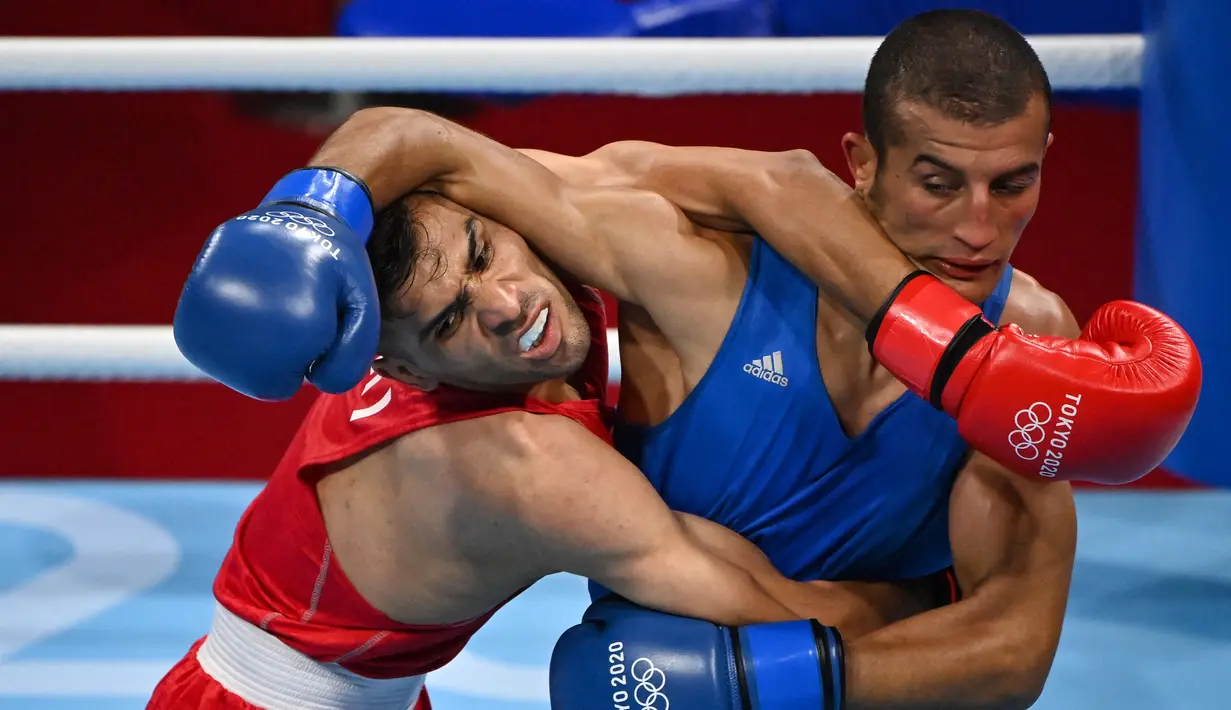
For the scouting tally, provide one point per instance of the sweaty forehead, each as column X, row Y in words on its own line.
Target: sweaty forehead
column 441, row 218
column 442, row 255
column 431, row 286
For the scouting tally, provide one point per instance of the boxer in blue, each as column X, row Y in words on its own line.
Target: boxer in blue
column 842, row 476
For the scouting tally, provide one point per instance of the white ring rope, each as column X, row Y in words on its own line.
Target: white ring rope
column 646, row 67
column 108, row 353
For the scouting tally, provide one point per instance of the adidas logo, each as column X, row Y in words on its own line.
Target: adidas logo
column 768, row 368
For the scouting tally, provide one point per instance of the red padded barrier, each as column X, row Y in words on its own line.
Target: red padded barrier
column 109, row 196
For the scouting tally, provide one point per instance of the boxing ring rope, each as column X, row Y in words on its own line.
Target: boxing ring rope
column 116, row 353
column 644, row 67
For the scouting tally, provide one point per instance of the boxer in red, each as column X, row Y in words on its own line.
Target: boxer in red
column 402, row 517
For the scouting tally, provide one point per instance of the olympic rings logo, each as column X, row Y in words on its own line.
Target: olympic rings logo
column 314, row 222
column 1029, row 432
column 650, row 683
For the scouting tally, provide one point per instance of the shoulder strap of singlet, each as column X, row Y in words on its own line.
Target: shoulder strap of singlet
column 993, row 307
column 775, row 275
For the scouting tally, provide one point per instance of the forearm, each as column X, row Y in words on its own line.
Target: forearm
column 735, row 573
column 699, row 586
column 855, row 608
column 983, row 652
column 397, row 151
column 794, row 203
column 394, row 151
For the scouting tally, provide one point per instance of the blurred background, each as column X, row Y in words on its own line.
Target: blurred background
column 118, row 498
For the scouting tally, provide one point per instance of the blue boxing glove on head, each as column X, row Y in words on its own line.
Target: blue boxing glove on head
column 626, row 657
column 286, row 291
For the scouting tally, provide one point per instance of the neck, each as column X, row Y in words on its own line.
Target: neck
column 554, row 391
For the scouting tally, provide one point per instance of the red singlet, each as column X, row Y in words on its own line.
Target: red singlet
column 279, row 574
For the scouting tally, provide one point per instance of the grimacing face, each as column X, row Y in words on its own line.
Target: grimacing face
column 955, row 197
column 484, row 312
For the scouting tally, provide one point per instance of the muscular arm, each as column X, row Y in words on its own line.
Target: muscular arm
column 608, row 236
column 1013, row 547
column 1014, row 542
column 855, row 608
column 568, row 502
column 804, row 211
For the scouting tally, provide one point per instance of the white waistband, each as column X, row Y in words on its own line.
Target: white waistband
column 269, row 674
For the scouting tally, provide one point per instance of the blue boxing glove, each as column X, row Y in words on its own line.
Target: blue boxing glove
column 286, row 291
column 626, row 657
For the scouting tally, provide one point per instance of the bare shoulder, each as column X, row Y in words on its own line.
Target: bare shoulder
column 480, row 442
column 475, row 504
column 451, row 459
column 517, row 472
column 1037, row 310
column 548, row 483
column 504, row 460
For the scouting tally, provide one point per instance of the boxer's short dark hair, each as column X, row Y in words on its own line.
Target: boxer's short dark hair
column 397, row 244
column 969, row 65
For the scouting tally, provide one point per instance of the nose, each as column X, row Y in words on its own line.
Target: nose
column 498, row 307
column 977, row 229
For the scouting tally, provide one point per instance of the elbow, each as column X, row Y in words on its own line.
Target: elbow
column 796, row 161
column 790, row 167
column 1024, row 663
column 388, row 121
column 799, row 159
column 380, row 116
column 1021, row 689
column 632, row 160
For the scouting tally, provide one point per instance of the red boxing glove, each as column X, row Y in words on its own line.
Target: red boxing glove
column 1106, row 408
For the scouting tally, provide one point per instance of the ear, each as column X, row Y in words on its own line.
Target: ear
column 399, row 369
column 1050, row 137
column 860, row 160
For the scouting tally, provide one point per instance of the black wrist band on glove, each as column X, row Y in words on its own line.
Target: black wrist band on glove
column 840, row 668
column 874, row 325
column 831, row 654
column 741, row 675
column 971, row 332
column 348, row 175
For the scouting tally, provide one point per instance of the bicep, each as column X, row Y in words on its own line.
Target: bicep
column 1013, row 535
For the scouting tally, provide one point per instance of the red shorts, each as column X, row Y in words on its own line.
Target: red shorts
column 187, row 686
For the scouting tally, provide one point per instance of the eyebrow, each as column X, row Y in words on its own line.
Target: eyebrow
column 459, row 302
column 1025, row 169
column 472, row 230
